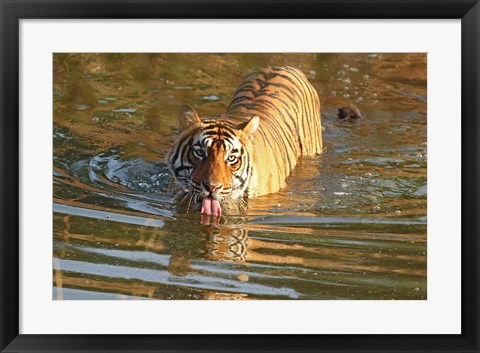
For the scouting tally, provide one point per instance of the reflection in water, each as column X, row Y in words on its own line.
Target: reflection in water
column 351, row 223
column 228, row 260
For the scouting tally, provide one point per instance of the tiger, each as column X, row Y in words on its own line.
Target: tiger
column 218, row 163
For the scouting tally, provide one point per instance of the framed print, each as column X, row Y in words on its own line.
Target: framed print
column 201, row 175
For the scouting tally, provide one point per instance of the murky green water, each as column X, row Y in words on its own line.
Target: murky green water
column 350, row 225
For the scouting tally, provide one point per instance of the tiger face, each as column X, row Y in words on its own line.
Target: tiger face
column 211, row 162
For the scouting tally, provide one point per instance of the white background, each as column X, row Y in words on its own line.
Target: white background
column 439, row 314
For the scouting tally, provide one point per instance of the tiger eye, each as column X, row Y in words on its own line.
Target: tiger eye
column 199, row 153
column 232, row 159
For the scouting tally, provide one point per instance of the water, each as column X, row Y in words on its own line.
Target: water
column 351, row 223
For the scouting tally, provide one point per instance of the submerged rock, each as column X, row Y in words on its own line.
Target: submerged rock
column 351, row 112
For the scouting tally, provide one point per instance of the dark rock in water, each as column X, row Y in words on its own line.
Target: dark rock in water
column 350, row 112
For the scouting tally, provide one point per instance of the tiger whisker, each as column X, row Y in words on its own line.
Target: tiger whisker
column 190, row 200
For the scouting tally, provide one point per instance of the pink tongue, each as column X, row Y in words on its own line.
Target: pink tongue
column 211, row 207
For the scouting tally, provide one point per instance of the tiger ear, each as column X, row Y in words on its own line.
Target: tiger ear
column 250, row 126
column 188, row 117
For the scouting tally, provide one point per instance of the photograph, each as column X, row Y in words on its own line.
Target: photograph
column 239, row 176
column 312, row 169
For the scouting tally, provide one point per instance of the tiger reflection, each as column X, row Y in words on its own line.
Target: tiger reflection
column 222, row 244
column 227, row 242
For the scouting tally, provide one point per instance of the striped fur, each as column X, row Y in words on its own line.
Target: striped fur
column 273, row 118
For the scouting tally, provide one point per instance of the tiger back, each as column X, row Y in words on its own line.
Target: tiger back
column 289, row 111
column 221, row 161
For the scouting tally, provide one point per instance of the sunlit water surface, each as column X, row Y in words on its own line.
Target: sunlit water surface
column 350, row 225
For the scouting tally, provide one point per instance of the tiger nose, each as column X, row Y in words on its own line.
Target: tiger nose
column 212, row 187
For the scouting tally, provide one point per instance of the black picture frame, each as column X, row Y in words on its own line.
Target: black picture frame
column 12, row 11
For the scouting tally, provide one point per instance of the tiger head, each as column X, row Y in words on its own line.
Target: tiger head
column 211, row 162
